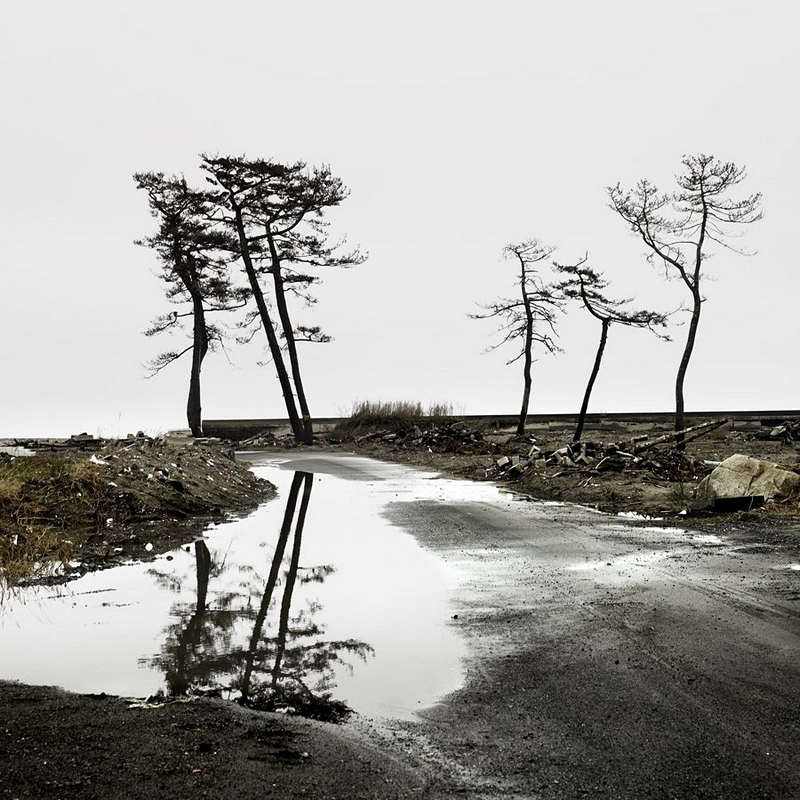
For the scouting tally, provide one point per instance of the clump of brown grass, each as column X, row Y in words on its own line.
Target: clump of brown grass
column 31, row 550
column 29, row 542
column 394, row 415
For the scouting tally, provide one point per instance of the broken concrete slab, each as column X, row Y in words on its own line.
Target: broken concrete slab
column 741, row 476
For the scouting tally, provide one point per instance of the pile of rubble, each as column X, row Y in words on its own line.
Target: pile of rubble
column 450, row 437
column 123, row 483
column 787, row 432
column 266, row 439
column 126, row 499
column 639, row 453
column 78, row 441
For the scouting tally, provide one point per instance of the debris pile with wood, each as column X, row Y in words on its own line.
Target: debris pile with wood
column 449, row 437
column 787, row 432
column 638, row 453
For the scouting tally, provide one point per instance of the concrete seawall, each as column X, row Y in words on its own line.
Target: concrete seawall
column 238, row 429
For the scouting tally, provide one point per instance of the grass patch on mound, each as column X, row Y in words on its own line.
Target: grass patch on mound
column 27, row 542
column 394, row 415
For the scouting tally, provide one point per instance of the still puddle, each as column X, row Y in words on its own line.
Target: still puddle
column 312, row 600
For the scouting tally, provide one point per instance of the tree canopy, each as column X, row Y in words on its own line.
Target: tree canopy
column 275, row 212
column 195, row 258
column 261, row 217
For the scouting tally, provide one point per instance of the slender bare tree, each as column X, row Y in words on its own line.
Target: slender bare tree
column 530, row 317
column 582, row 283
column 679, row 228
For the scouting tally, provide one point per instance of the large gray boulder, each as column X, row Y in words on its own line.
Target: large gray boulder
column 745, row 477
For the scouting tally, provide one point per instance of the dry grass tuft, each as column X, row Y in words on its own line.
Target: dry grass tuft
column 30, row 551
column 395, row 415
column 28, row 542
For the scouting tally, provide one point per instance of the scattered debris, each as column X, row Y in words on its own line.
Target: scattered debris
column 85, row 440
column 266, row 438
column 443, row 438
column 637, row 453
column 686, row 435
column 786, row 432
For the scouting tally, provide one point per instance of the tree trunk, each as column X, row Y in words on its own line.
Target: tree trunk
column 266, row 322
column 272, row 582
column 291, row 344
column 291, row 579
column 194, row 412
column 178, row 676
column 527, row 355
column 589, row 386
column 693, row 282
column 202, row 558
column 526, row 396
column 680, row 443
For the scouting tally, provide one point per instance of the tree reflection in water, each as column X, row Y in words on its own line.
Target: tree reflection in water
column 236, row 646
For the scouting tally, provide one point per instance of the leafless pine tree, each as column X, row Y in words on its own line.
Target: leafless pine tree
column 529, row 319
column 585, row 285
column 679, row 228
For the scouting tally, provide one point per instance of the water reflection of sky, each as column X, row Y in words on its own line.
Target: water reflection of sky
column 118, row 631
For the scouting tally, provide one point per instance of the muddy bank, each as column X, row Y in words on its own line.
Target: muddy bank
column 103, row 503
column 59, row 745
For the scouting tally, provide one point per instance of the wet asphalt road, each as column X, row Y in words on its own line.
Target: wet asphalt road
column 610, row 658
column 615, row 660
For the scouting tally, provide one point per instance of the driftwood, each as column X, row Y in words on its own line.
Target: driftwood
column 373, row 435
column 695, row 432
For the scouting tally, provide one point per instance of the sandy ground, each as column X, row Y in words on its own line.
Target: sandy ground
column 608, row 659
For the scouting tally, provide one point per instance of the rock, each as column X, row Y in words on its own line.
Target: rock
column 744, row 477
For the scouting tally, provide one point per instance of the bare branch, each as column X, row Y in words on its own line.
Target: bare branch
column 586, row 285
column 313, row 333
column 164, row 360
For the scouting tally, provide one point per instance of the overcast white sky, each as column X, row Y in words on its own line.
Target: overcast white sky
column 458, row 127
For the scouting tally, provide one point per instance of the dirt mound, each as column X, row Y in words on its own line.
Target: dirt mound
column 127, row 499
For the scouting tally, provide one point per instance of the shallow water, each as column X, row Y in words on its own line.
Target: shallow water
column 315, row 594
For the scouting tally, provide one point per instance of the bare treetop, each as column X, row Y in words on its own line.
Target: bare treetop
column 678, row 227
column 530, row 317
